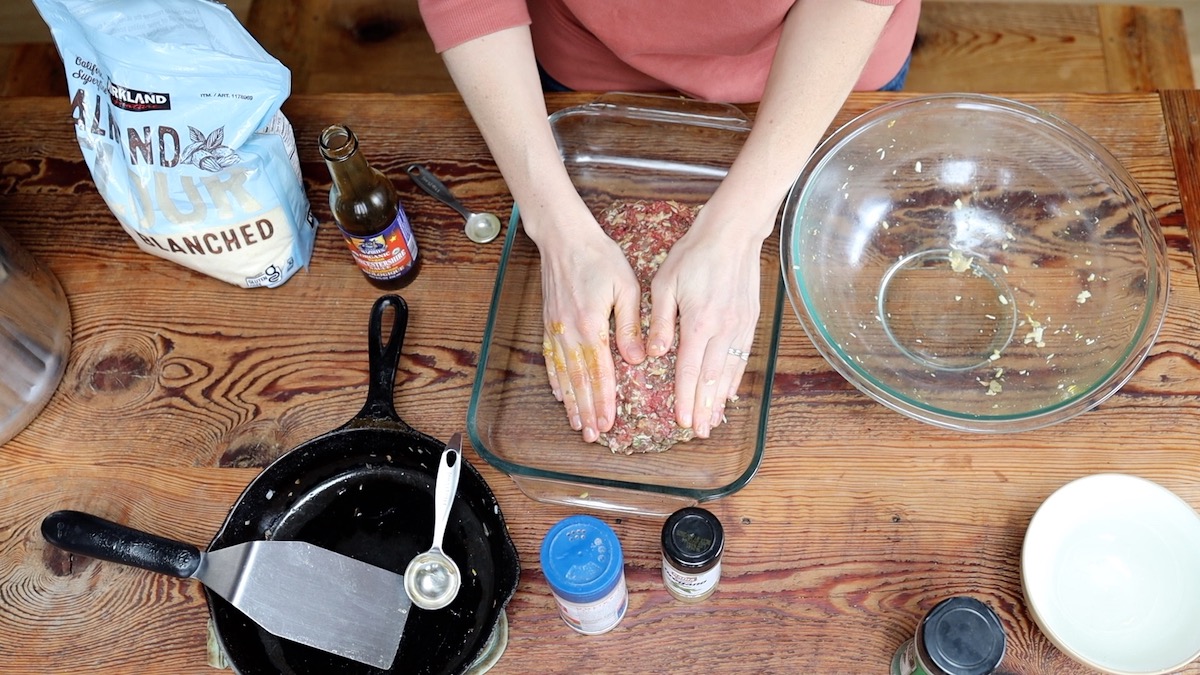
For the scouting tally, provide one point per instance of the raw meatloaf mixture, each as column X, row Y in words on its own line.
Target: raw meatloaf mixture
column 645, row 422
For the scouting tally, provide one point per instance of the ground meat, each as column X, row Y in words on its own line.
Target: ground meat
column 645, row 420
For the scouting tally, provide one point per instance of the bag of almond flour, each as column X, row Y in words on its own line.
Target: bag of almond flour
column 176, row 109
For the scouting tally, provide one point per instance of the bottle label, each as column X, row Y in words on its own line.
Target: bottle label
column 686, row 586
column 597, row 617
column 906, row 660
column 387, row 255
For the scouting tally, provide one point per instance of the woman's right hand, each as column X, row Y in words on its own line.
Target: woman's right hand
column 585, row 281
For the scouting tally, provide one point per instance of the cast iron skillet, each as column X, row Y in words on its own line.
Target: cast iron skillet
column 366, row 490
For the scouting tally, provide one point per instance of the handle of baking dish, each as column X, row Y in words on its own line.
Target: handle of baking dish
column 668, row 108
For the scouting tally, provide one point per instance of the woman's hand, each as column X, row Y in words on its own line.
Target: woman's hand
column 710, row 280
column 585, row 280
column 710, row 283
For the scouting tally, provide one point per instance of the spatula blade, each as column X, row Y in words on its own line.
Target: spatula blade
column 314, row 596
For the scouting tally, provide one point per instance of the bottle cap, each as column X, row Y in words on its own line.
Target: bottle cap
column 961, row 636
column 692, row 538
column 581, row 558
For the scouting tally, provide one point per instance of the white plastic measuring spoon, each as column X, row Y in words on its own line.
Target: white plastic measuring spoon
column 432, row 578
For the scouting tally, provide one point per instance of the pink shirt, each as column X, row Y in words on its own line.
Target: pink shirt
column 717, row 50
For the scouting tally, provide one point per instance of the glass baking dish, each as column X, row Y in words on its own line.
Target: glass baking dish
column 620, row 146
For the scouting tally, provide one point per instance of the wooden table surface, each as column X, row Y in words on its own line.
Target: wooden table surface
column 354, row 45
column 179, row 387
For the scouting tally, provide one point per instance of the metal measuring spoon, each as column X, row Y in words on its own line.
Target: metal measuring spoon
column 480, row 227
column 432, row 578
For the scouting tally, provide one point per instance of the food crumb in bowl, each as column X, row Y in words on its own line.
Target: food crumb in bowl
column 1035, row 334
column 960, row 262
column 995, row 384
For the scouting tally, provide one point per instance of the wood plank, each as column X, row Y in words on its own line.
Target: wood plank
column 998, row 47
column 1145, row 48
column 375, row 46
column 289, row 31
column 1182, row 109
column 351, row 46
column 100, row 598
column 382, row 46
column 31, row 69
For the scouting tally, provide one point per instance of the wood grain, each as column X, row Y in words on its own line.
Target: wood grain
column 858, row 521
column 360, row 46
column 1011, row 47
column 1142, row 48
column 31, row 69
column 289, row 32
column 1183, row 110
column 1024, row 47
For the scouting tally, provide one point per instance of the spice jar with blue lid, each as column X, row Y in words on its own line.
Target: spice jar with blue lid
column 959, row 636
column 583, row 564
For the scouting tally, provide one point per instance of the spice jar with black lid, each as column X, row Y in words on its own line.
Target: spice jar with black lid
column 959, row 636
column 692, row 543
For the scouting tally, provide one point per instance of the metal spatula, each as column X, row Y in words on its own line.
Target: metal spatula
column 292, row 589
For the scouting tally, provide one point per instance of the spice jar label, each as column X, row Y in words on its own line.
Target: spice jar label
column 593, row 618
column 581, row 558
column 690, row 586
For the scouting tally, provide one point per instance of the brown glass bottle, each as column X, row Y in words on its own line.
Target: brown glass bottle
column 368, row 212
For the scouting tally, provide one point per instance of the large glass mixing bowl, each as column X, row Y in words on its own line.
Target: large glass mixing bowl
column 974, row 263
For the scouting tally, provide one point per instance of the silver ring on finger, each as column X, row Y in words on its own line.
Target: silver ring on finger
column 743, row 355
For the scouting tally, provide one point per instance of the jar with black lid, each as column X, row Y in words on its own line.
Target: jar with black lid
column 692, row 543
column 959, row 636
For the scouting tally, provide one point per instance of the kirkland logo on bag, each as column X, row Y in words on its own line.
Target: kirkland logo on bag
column 176, row 109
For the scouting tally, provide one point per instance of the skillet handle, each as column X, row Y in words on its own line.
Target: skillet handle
column 383, row 358
column 95, row 537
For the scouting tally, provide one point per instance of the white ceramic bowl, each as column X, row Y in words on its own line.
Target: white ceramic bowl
column 1111, row 573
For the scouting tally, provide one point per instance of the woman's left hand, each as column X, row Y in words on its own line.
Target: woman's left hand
column 710, row 283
